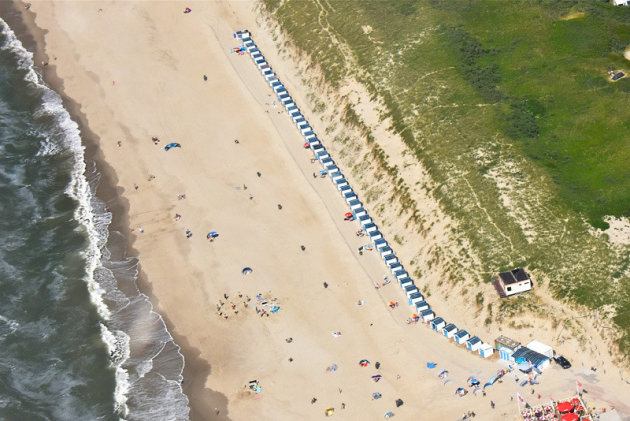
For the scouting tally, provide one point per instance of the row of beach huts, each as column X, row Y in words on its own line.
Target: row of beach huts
column 416, row 299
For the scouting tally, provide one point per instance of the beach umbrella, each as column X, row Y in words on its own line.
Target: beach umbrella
column 575, row 401
column 388, row 415
column 564, row 407
column 376, row 378
column 364, row 363
column 306, row 145
column 376, row 395
column 247, row 270
column 442, row 372
column 329, row 411
column 431, row 365
column 570, row 417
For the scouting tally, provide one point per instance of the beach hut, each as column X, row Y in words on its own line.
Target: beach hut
column 355, row 204
column 380, row 243
column 315, row 142
column 349, row 196
column 403, row 280
column 391, row 259
column 473, row 343
column 299, row 121
column 308, row 134
column 276, row 85
column 385, row 251
column 262, row 63
column 506, row 347
column 415, row 297
column 256, row 55
column 302, row 124
column 449, row 330
column 409, row 289
column 270, row 76
column 437, row 324
column 345, row 189
column 427, row 315
column 370, row 227
column 293, row 112
column 340, row 182
column 327, row 162
column 405, row 283
column 364, row 219
column 422, row 305
column 322, row 154
column 360, row 212
column 461, row 337
column 486, row 350
column 395, row 267
column 401, row 274
column 336, row 175
column 298, row 118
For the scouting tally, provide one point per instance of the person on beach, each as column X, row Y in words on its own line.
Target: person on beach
column 258, row 174
column 205, row 78
column 177, row 217
column 135, row 186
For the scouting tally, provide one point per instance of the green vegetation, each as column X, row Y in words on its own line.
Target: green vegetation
column 509, row 107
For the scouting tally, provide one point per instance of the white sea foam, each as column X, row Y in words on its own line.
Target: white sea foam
column 64, row 136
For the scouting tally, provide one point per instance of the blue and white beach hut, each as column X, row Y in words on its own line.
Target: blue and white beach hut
column 364, row 219
column 437, row 324
column 340, row 182
column 297, row 118
column 400, row 274
column 355, row 204
column 402, row 280
column 421, row 305
column 473, row 343
column 380, row 243
column 415, row 297
column 385, row 251
column 307, row 135
column 349, row 196
column 360, row 212
column 427, row 315
column 407, row 281
column 461, row 337
column 486, row 350
column 395, row 267
column 327, row 163
column 449, row 330
column 410, row 289
column 370, row 227
column 345, row 189
column 336, row 175
column 391, row 259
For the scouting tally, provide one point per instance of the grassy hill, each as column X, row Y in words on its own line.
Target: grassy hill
column 510, row 107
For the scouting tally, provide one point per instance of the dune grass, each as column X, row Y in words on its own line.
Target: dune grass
column 509, row 107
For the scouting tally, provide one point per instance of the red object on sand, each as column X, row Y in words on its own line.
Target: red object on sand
column 575, row 401
column 564, row 407
column 579, row 408
column 348, row 215
column 306, row 145
column 570, row 417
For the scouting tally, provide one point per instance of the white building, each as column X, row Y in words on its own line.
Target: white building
column 541, row 348
column 513, row 282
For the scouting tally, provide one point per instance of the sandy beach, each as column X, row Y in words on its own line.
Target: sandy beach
column 137, row 72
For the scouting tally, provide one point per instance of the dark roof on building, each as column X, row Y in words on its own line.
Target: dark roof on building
column 437, row 321
column 530, row 355
column 450, row 327
column 507, row 342
column 474, row 340
column 426, row 312
column 461, row 333
column 514, row 276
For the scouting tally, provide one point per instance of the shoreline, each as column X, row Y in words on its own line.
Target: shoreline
column 109, row 191
column 197, row 377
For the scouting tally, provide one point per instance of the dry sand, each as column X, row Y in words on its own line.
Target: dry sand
column 137, row 71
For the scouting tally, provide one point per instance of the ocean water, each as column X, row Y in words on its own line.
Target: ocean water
column 78, row 341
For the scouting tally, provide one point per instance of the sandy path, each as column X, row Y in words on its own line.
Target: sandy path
column 137, row 71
